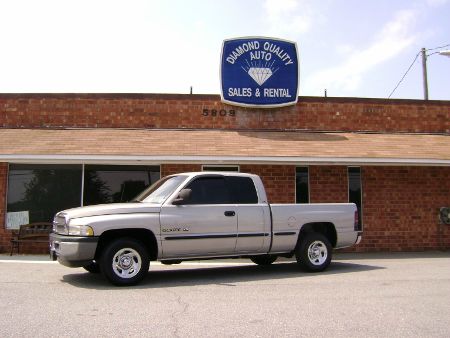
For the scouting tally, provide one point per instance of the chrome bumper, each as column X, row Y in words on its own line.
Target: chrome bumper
column 72, row 251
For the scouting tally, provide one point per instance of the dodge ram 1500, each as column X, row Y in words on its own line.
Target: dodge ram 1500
column 200, row 215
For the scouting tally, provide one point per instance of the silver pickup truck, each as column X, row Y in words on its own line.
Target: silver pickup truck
column 200, row 216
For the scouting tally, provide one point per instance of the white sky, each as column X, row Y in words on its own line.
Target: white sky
column 354, row 48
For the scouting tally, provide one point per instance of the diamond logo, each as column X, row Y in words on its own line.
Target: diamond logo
column 260, row 75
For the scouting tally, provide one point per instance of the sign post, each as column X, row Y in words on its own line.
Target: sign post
column 259, row 72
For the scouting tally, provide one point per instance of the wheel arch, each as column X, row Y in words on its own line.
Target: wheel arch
column 327, row 229
column 145, row 236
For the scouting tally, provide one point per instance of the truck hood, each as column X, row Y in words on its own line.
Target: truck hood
column 112, row 209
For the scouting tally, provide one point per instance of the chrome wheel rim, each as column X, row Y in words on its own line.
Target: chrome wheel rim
column 317, row 253
column 126, row 263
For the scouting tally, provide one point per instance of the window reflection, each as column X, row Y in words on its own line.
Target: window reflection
column 42, row 190
column 39, row 191
column 115, row 184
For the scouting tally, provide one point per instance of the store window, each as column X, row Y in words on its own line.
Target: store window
column 302, row 185
column 114, row 184
column 355, row 189
column 36, row 192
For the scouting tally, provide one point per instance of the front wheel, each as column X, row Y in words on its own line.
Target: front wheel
column 92, row 267
column 313, row 253
column 125, row 262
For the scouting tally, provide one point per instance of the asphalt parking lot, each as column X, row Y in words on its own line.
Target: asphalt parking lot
column 370, row 295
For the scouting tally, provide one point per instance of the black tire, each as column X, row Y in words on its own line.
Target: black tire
column 313, row 252
column 124, row 262
column 263, row 259
column 92, row 267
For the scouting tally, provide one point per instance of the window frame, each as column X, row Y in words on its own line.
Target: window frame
column 308, row 184
column 361, row 208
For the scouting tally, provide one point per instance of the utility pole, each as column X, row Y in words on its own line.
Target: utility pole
column 424, row 72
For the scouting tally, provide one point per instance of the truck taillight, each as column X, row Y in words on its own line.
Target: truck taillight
column 356, row 224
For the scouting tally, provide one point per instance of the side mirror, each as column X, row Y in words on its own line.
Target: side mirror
column 182, row 197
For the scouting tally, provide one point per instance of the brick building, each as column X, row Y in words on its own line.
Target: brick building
column 391, row 157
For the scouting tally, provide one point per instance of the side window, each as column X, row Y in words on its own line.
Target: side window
column 355, row 189
column 242, row 190
column 209, row 190
column 302, row 185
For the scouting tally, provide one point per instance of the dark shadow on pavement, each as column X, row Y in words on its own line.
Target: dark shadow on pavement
column 211, row 275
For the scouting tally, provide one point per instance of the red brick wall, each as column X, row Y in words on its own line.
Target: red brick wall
column 400, row 204
column 328, row 184
column 401, row 208
column 171, row 169
column 187, row 111
column 279, row 181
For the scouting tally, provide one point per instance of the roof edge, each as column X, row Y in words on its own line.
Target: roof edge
column 215, row 97
column 281, row 160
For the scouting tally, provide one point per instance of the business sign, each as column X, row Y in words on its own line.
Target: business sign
column 259, row 72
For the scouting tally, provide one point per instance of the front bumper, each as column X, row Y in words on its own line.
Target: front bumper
column 72, row 251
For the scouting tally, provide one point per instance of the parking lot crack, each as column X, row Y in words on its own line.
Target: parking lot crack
column 177, row 315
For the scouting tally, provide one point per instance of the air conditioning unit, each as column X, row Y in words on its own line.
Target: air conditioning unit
column 444, row 215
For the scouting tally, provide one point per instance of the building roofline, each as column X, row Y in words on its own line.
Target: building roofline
column 213, row 97
column 220, row 147
column 236, row 160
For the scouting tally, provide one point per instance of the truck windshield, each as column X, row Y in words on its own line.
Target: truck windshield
column 161, row 190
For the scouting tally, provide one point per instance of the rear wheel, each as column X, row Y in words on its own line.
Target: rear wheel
column 263, row 259
column 125, row 262
column 313, row 253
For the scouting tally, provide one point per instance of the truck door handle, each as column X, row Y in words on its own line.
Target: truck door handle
column 229, row 213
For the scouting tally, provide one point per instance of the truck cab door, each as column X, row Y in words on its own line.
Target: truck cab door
column 205, row 225
column 254, row 222
column 253, row 228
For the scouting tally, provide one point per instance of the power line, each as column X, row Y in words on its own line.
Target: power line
column 404, row 75
column 415, row 59
column 438, row 47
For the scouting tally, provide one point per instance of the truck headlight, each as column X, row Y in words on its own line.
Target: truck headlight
column 80, row 230
column 60, row 223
